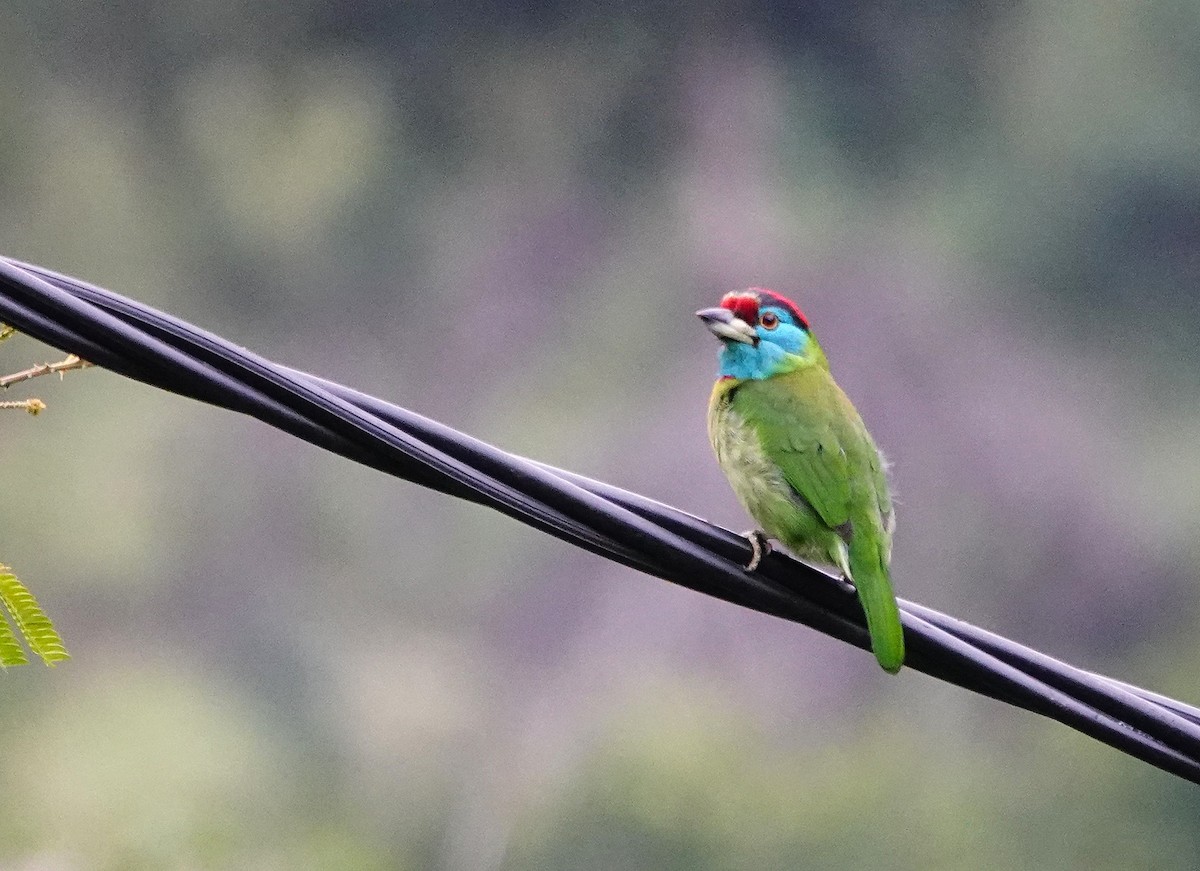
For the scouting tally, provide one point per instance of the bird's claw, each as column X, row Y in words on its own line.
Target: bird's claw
column 761, row 546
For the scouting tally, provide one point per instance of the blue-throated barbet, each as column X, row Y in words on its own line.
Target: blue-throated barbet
column 798, row 455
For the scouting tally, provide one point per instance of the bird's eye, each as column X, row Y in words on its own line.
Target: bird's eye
column 769, row 320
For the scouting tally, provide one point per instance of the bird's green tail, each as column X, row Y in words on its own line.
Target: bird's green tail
column 870, row 575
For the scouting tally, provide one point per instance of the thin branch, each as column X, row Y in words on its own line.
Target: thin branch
column 33, row 406
column 66, row 365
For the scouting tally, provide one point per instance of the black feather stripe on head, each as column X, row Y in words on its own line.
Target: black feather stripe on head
column 770, row 297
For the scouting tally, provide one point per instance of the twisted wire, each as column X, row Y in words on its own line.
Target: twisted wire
column 156, row 348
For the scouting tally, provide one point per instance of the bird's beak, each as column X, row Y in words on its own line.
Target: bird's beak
column 726, row 326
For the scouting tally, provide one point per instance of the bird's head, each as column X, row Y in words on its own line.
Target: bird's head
column 762, row 334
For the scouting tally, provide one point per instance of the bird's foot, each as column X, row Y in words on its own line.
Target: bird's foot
column 761, row 546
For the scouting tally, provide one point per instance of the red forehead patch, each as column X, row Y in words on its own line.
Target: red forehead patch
column 743, row 305
column 746, row 303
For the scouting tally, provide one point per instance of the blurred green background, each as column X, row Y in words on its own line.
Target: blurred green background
column 503, row 216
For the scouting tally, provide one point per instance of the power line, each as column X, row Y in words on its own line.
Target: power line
column 159, row 349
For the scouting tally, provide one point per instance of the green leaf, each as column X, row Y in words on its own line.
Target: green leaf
column 38, row 631
column 11, row 652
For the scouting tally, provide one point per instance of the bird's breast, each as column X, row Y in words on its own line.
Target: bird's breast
column 756, row 481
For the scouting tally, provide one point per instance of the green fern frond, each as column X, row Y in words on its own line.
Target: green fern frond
column 11, row 652
column 31, row 621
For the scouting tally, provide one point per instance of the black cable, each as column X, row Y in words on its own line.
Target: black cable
column 158, row 349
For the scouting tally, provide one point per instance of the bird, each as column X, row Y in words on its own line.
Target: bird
column 798, row 455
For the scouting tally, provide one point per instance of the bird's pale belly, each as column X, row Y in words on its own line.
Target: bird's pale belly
column 756, row 481
column 760, row 487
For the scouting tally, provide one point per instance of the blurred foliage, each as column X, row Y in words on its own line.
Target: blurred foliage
column 31, row 622
column 503, row 215
column 684, row 782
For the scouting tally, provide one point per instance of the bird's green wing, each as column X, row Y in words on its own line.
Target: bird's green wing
column 813, row 434
column 811, row 431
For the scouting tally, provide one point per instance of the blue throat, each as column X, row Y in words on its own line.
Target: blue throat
column 739, row 360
